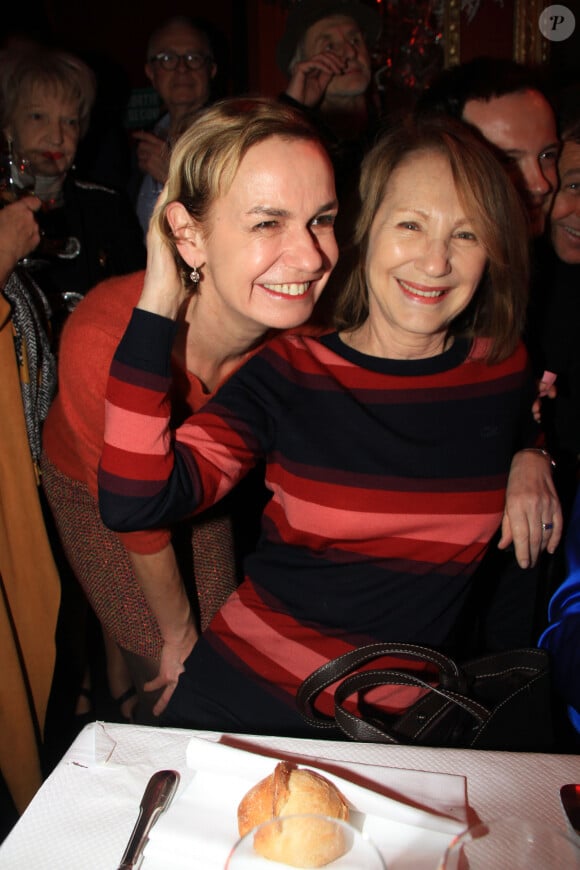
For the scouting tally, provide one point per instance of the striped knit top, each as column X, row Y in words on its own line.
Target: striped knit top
column 387, row 478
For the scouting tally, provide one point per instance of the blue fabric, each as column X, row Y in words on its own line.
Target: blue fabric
column 574, row 718
column 150, row 187
column 562, row 637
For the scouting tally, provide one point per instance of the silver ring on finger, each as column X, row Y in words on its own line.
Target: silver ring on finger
column 547, row 527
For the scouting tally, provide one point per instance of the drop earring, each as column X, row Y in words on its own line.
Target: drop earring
column 194, row 276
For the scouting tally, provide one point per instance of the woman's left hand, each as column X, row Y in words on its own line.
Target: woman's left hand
column 163, row 291
column 173, row 655
column 532, row 518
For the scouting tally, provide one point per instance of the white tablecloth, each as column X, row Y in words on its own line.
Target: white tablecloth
column 83, row 815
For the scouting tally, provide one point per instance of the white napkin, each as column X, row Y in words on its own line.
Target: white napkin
column 199, row 829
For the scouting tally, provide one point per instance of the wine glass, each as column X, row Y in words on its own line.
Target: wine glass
column 517, row 843
column 305, row 840
column 17, row 177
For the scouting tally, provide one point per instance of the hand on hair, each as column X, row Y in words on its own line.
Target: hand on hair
column 163, row 291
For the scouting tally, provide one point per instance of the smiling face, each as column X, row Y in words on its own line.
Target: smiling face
column 342, row 35
column 45, row 129
column 523, row 126
column 268, row 247
column 424, row 261
column 565, row 217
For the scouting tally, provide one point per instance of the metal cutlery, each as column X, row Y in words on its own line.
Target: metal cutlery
column 156, row 798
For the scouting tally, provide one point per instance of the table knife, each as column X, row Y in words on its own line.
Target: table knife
column 156, row 798
column 570, row 795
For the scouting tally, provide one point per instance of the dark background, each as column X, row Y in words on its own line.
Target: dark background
column 112, row 35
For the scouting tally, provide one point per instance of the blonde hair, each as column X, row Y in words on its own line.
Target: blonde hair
column 22, row 70
column 207, row 156
column 497, row 311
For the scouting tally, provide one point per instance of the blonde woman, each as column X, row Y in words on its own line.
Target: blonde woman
column 262, row 272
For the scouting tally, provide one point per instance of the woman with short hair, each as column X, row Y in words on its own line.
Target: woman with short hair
column 154, row 590
column 89, row 232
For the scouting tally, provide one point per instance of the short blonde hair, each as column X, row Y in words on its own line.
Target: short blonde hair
column 497, row 311
column 207, row 156
column 21, row 70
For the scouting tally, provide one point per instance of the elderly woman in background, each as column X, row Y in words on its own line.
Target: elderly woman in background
column 89, row 232
column 388, row 443
column 257, row 170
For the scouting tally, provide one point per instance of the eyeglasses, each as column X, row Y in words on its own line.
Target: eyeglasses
column 169, row 60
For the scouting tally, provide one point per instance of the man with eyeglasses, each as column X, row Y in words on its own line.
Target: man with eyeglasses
column 180, row 66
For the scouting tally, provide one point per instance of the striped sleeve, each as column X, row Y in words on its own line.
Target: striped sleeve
column 149, row 475
column 139, row 471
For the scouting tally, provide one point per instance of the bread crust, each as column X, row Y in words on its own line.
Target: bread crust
column 291, row 791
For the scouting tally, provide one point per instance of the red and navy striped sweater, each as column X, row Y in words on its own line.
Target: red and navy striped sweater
column 387, row 478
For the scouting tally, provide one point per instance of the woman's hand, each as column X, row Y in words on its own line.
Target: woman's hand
column 532, row 518
column 173, row 655
column 19, row 232
column 159, row 577
column 163, row 291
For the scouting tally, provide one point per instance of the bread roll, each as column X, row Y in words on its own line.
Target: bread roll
column 289, row 791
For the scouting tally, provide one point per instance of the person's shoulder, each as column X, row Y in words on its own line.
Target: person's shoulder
column 480, row 349
column 108, row 306
column 91, row 188
column 100, row 206
column 300, row 337
column 294, row 351
column 162, row 124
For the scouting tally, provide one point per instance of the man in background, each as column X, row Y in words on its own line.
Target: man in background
column 325, row 52
column 180, row 66
column 506, row 102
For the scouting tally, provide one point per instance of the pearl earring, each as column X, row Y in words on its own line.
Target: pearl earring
column 194, row 276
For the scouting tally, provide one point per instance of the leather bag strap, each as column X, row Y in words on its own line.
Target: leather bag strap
column 535, row 661
column 449, row 673
column 404, row 726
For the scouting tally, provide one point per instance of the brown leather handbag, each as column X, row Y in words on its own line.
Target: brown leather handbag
column 498, row 701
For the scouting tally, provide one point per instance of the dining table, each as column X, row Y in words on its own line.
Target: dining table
column 411, row 800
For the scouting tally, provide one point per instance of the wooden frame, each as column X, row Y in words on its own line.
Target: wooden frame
column 452, row 32
column 529, row 46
